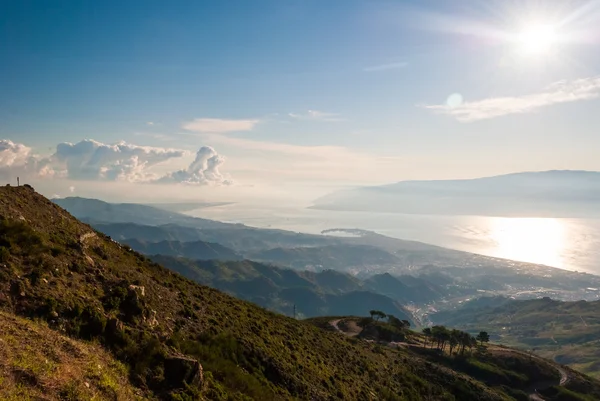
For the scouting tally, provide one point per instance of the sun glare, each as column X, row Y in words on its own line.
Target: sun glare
column 535, row 240
column 537, row 39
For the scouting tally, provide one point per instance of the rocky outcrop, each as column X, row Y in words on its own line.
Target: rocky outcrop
column 181, row 370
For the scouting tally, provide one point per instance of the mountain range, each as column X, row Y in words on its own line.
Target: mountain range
column 531, row 194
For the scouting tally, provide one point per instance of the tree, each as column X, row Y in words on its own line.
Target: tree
column 440, row 335
column 454, row 339
column 397, row 323
column 427, row 334
column 483, row 337
column 377, row 314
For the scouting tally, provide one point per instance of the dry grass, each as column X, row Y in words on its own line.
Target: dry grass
column 37, row 363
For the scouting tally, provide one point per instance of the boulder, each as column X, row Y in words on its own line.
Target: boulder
column 181, row 370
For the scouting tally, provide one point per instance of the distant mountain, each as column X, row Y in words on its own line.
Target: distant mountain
column 549, row 193
column 194, row 250
column 314, row 294
column 180, row 226
column 341, row 257
column 100, row 211
column 406, row 288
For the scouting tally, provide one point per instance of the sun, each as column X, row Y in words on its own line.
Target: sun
column 536, row 39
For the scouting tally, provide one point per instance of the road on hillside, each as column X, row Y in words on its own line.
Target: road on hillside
column 564, row 377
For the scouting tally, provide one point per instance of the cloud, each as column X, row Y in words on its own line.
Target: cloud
column 558, row 92
column 215, row 125
column 385, row 67
column 315, row 115
column 92, row 160
column 13, row 154
column 150, row 123
column 204, row 170
column 16, row 159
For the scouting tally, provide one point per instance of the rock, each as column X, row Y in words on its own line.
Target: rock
column 152, row 319
column 90, row 260
column 181, row 370
column 138, row 289
column 54, row 314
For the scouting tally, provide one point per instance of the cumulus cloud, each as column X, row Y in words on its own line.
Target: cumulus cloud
column 15, row 159
column 216, row 125
column 92, row 160
column 315, row 115
column 204, row 170
column 559, row 92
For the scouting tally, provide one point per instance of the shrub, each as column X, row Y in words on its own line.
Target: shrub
column 4, row 254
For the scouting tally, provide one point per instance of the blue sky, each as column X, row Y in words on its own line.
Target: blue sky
column 296, row 93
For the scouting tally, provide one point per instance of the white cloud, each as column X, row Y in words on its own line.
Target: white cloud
column 204, row 170
column 16, row 159
column 150, row 123
column 215, row 125
column 315, row 115
column 71, row 189
column 92, row 160
column 384, row 67
column 559, row 92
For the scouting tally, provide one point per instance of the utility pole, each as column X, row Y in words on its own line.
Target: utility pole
column 18, row 182
column 294, row 311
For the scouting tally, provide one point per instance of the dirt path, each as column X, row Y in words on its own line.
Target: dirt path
column 335, row 323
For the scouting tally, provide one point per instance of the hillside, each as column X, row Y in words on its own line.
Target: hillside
column 312, row 294
column 568, row 332
column 181, row 340
column 61, row 271
column 530, row 194
column 37, row 363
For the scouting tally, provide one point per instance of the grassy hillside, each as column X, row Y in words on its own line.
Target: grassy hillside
column 568, row 332
column 37, row 363
column 160, row 325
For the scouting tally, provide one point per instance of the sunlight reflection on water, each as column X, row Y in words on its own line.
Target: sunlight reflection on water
column 572, row 244
column 537, row 240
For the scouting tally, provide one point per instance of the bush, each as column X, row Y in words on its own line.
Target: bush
column 4, row 254
column 93, row 323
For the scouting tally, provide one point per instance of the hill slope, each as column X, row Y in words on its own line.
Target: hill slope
column 568, row 332
column 38, row 363
column 56, row 269
column 60, row 270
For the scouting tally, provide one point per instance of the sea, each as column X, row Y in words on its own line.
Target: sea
column 566, row 243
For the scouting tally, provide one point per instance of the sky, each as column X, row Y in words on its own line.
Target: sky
column 289, row 99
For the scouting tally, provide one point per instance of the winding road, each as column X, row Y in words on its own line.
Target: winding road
column 534, row 395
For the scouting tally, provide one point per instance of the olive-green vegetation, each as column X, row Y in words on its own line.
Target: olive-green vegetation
column 158, row 324
column 568, row 332
column 37, row 363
